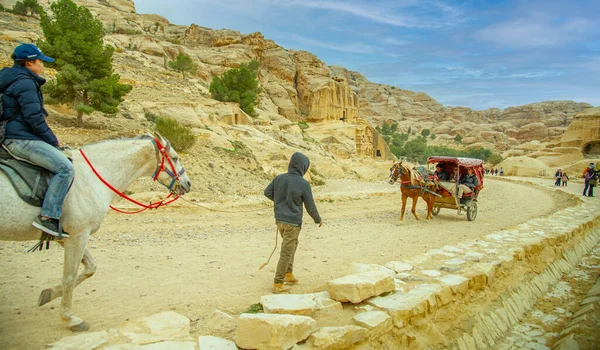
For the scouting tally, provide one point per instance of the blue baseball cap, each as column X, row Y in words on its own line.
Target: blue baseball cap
column 30, row 52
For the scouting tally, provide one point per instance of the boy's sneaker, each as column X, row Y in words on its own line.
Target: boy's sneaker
column 49, row 226
column 290, row 278
column 279, row 288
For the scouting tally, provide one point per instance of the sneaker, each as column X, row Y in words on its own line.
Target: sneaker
column 279, row 288
column 290, row 278
column 49, row 226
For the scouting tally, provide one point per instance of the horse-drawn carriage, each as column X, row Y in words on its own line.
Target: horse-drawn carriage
column 449, row 190
column 444, row 192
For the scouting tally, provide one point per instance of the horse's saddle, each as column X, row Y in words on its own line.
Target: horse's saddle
column 30, row 181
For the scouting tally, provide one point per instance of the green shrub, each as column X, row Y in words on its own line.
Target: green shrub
column 238, row 85
column 255, row 309
column 458, row 138
column 495, row 158
column 387, row 128
column 128, row 31
column 25, row 7
column 183, row 64
column 433, row 136
column 303, row 125
column 151, row 117
column 418, row 150
column 425, row 132
column 180, row 136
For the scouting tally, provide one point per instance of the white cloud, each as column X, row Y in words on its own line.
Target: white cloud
column 353, row 47
column 537, row 30
column 395, row 42
column 377, row 13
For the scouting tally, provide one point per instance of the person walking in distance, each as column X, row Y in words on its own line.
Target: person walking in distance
column 565, row 179
column 591, row 179
column 289, row 192
column 557, row 177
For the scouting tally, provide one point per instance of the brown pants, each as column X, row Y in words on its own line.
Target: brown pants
column 289, row 234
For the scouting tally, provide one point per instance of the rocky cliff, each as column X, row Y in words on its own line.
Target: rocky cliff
column 297, row 86
column 584, row 132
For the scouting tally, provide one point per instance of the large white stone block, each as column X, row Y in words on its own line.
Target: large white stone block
column 377, row 322
column 299, row 304
column 358, row 287
column 334, row 338
column 158, row 327
column 272, row 331
column 84, row 341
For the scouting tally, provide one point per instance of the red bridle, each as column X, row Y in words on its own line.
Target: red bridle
column 174, row 175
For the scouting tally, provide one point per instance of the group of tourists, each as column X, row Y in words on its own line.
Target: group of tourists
column 494, row 171
column 466, row 183
column 561, row 178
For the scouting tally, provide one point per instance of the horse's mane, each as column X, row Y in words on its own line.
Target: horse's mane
column 139, row 137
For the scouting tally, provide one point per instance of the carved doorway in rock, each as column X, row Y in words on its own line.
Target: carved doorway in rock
column 591, row 149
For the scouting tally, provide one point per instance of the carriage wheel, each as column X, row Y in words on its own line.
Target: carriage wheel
column 472, row 211
column 435, row 211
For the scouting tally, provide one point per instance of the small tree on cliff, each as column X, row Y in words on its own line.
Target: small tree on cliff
column 183, row 64
column 238, row 85
column 85, row 79
column 27, row 7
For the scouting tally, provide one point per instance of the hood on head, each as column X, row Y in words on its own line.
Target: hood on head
column 299, row 164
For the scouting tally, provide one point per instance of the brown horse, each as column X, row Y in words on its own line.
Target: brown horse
column 412, row 185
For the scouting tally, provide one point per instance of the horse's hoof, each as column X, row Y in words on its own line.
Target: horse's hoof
column 80, row 327
column 45, row 297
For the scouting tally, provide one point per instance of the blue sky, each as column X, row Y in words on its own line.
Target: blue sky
column 477, row 54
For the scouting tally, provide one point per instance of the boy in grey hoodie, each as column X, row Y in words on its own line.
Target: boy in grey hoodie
column 288, row 192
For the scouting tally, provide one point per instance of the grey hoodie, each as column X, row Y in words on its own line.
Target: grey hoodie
column 290, row 190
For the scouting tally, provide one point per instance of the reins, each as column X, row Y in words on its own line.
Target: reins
column 174, row 175
column 224, row 211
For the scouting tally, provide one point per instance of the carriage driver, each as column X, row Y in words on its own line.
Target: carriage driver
column 28, row 136
column 467, row 183
column 440, row 173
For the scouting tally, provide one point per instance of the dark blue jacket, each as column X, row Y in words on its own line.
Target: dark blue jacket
column 470, row 181
column 289, row 191
column 24, row 96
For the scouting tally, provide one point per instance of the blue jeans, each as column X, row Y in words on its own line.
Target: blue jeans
column 51, row 158
column 590, row 192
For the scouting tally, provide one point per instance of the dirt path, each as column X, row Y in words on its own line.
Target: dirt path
column 192, row 261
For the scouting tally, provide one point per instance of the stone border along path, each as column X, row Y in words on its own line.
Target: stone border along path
column 464, row 297
column 567, row 316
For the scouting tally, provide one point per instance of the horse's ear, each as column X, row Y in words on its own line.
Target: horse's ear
column 160, row 138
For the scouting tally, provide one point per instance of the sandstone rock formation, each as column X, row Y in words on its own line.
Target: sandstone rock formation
column 584, row 132
column 297, row 87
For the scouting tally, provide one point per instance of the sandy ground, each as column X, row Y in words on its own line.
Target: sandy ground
column 193, row 261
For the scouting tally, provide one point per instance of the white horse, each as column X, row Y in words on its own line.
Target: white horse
column 119, row 162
